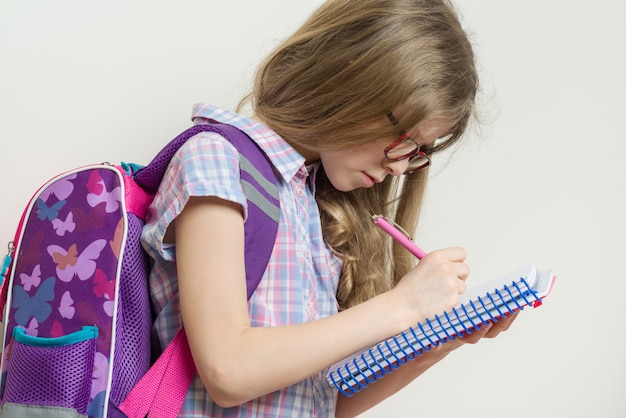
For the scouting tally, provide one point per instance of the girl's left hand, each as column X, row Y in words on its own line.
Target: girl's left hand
column 489, row 330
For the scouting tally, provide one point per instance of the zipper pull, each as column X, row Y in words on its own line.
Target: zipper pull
column 6, row 262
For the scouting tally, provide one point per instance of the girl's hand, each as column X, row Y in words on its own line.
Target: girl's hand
column 490, row 330
column 434, row 285
column 436, row 354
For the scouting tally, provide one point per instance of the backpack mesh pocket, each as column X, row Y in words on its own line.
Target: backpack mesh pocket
column 51, row 371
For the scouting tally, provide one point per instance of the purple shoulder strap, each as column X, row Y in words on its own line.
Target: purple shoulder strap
column 258, row 182
column 161, row 392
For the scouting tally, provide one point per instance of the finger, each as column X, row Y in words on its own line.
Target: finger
column 493, row 329
column 463, row 271
column 451, row 259
column 477, row 333
column 502, row 325
column 455, row 253
column 462, row 286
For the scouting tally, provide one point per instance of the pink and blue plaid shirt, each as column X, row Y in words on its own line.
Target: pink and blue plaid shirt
column 300, row 282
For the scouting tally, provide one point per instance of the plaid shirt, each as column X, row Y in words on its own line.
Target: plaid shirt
column 300, row 282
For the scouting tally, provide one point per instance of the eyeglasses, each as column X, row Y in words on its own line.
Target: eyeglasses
column 404, row 148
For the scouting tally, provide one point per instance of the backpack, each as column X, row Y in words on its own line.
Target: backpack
column 77, row 316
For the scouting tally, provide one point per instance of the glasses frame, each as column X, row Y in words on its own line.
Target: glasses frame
column 411, row 155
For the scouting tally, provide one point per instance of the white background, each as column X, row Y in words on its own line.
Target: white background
column 542, row 181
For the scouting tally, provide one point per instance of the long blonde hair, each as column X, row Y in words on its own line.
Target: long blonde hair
column 329, row 86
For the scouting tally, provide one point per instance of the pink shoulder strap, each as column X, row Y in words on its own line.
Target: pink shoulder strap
column 161, row 391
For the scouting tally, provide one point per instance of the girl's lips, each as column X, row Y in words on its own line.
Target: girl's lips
column 369, row 180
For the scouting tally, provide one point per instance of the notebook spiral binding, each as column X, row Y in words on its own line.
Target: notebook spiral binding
column 390, row 354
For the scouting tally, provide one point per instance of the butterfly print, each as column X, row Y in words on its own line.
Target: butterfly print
column 94, row 183
column 99, row 194
column 61, row 188
column 100, row 374
column 30, row 249
column 66, row 307
column 105, row 288
column 109, row 308
column 61, row 227
column 48, row 212
column 86, row 313
column 92, row 219
column 70, row 263
column 57, row 330
column 36, row 306
column 118, row 238
column 33, row 280
column 32, row 328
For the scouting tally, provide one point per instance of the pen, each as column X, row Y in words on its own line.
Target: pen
column 400, row 236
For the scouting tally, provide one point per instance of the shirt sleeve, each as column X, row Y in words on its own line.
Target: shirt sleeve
column 206, row 165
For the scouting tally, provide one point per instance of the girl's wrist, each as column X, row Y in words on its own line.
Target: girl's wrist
column 399, row 313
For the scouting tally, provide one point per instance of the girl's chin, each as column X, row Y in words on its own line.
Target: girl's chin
column 344, row 184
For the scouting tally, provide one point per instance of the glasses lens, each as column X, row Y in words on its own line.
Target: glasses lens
column 417, row 162
column 403, row 149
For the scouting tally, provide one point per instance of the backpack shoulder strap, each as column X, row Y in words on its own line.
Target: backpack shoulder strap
column 259, row 185
column 163, row 388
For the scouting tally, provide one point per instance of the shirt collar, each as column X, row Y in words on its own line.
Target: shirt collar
column 284, row 157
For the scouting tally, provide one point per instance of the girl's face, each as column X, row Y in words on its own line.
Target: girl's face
column 366, row 165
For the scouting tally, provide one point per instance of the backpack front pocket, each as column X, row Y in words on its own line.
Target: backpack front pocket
column 51, row 371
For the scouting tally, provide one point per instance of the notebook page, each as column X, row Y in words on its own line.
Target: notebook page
column 529, row 273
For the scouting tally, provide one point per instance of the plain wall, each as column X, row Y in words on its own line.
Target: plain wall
column 542, row 181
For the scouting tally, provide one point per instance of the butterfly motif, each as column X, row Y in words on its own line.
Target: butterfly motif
column 27, row 307
column 66, row 307
column 56, row 330
column 109, row 308
column 32, row 328
column 61, row 227
column 48, row 212
column 30, row 248
column 61, row 188
column 118, row 239
column 86, row 312
column 91, row 219
column 96, row 406
column 99, row 194
column 100, row 374
column 70, row 263
column 105, row 288
column 33, row 280
column 95, row 183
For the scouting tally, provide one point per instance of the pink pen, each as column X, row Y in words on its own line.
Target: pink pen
column 400, row 236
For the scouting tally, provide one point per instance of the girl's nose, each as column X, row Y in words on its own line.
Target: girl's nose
column 396, row 168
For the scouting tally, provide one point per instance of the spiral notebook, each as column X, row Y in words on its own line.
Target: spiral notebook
column 478, row 305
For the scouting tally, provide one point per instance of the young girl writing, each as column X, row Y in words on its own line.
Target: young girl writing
column 349, row 110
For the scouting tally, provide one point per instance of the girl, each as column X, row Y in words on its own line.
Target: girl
column 349, row 110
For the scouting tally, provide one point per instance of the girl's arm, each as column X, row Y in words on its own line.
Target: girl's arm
column 237, row 362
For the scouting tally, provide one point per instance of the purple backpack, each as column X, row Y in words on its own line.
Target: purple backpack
column 75, row 303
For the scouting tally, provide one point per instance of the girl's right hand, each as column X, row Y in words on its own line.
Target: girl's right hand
column 434, row 285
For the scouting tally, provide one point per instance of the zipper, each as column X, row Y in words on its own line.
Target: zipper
column 4, row 272
column 6, row 262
